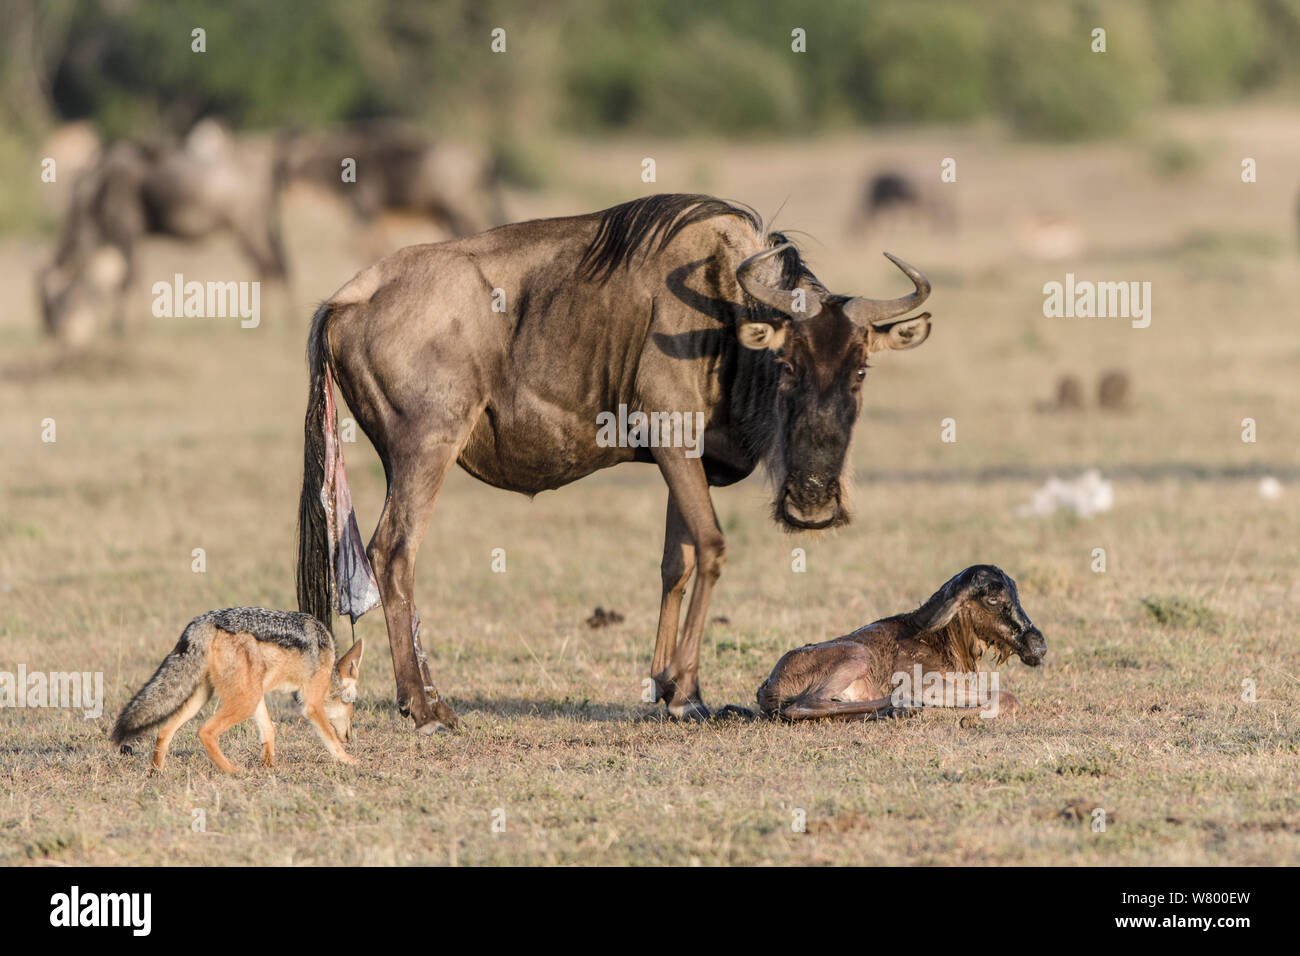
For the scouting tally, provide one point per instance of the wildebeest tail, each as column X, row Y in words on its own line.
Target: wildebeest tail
column 313, row 532
column 173, row 683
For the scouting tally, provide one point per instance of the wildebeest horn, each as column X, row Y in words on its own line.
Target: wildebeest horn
column 785, row 301
column 865, row 311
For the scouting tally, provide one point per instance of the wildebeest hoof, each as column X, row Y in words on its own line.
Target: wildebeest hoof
column 442, row 720
column 689, row 710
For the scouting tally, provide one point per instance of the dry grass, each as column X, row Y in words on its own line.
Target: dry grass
column 190, row 438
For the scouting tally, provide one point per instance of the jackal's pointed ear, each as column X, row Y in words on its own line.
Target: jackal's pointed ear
column 348, row 668
column 350, row 664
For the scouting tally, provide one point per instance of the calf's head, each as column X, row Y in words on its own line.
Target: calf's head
column 821, row 343
column 984, row 599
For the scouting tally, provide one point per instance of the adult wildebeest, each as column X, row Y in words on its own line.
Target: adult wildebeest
column 939, row 644
column 890, row 195
column 672, row 303
column 453, row 185
column 185, row 192
column 888, row 191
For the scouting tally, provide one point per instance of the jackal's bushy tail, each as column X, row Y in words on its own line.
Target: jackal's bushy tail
column 313, row 532
column 175, row 681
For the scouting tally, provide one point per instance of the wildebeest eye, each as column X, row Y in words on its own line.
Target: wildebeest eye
column 993, row 600
column 787, row 370
column 862, row 373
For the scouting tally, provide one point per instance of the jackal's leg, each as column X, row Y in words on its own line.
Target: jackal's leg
column 314, row 707
column 178, row 720
column 265, row 732
column 237, row 707
column 412, row 494
column 316, row 714
column 689, row 488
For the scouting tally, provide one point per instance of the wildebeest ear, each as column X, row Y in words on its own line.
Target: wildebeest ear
column 761, row 335
column 903, row 334
column 941, row 615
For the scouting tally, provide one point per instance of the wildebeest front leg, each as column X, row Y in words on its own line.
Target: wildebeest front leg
column 261, row 243
column 120, row 321
column 678, row 563
column 688, row 489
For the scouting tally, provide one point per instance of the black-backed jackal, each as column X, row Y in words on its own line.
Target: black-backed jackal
column 237, row 654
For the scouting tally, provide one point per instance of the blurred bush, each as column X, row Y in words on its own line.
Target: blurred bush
column 670, row 68
column 1210, row 50
column 1049, row 82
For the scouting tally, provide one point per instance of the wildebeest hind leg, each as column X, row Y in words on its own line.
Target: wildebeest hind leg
column 412, row 494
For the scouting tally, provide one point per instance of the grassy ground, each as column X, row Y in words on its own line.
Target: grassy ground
column 190, row 438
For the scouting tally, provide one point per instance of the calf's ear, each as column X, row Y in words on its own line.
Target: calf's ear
column 944, row 604
column 903, row 334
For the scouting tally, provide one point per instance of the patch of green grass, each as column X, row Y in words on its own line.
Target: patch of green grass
column 1180, row 612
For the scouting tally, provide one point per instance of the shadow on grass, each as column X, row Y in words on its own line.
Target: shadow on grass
column 1155, row 471
column 583, row 708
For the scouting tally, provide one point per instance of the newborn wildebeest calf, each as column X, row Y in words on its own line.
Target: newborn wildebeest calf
column 939, row 644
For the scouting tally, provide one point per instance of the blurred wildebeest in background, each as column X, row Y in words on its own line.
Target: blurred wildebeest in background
column 892, row 196
column 74, row 147
column 453, row 185
column 671, row 306
column 138, row 189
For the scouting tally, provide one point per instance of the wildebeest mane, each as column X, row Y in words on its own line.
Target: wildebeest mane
column 654, row 221
column 651, row 223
